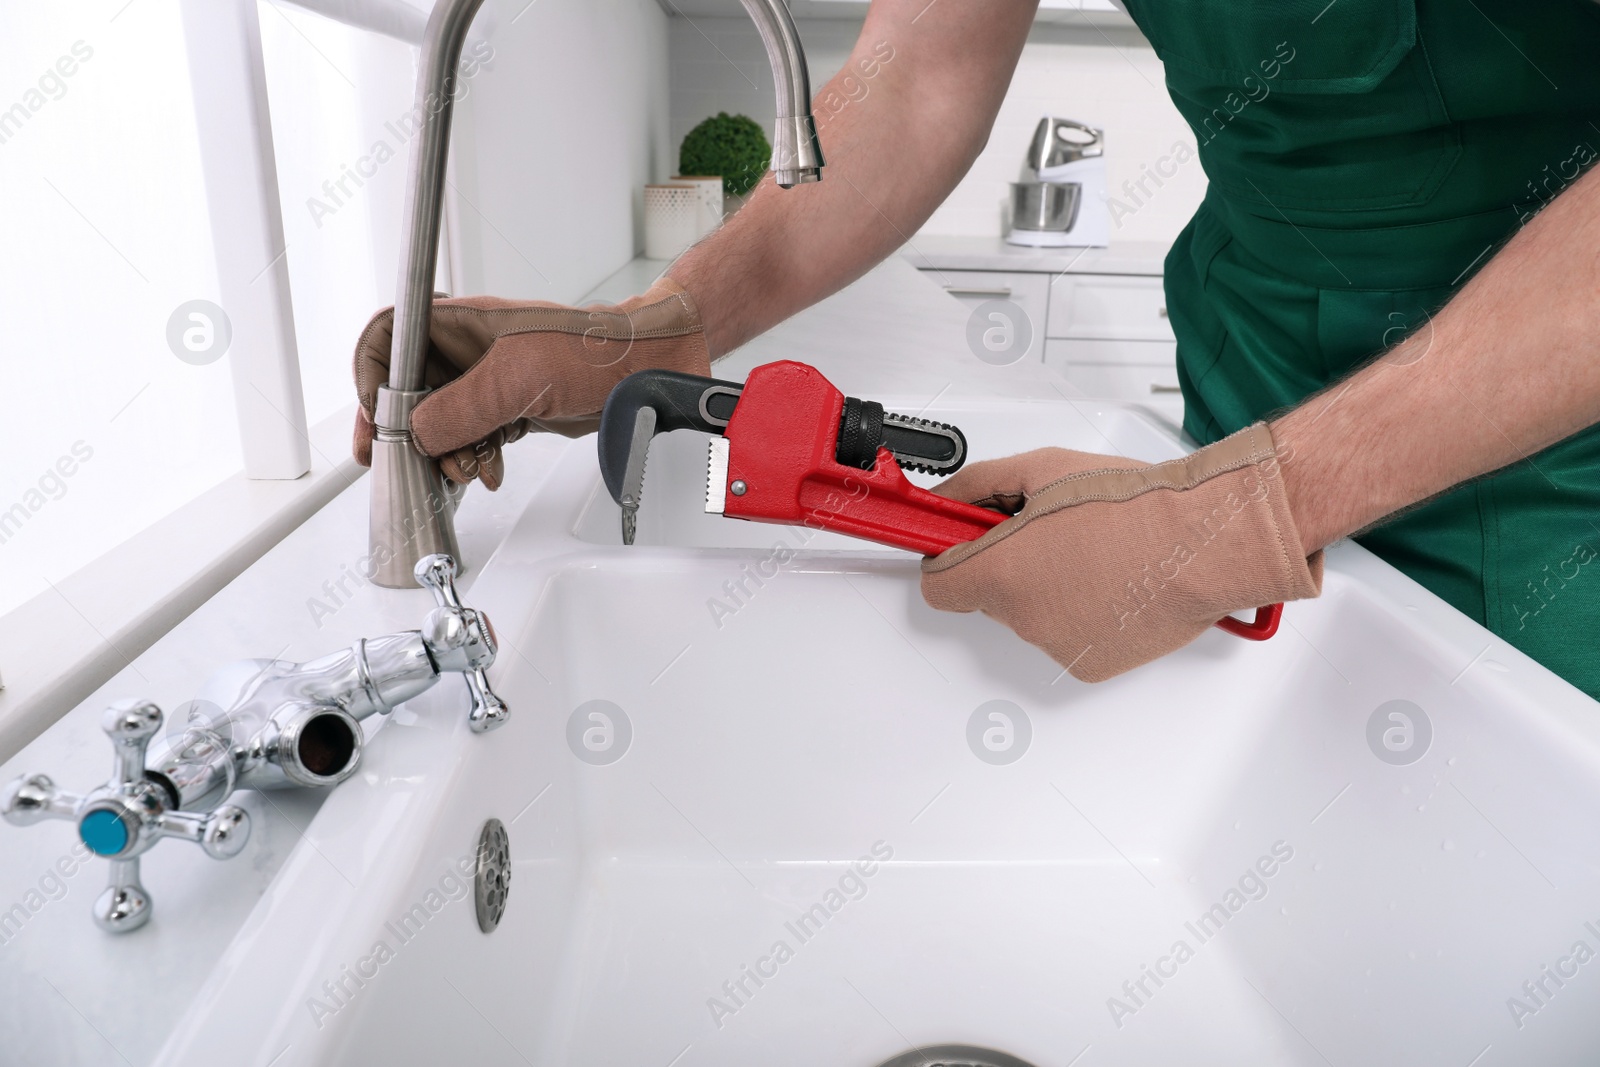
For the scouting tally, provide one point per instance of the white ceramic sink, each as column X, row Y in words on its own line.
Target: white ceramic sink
column 1358, row 909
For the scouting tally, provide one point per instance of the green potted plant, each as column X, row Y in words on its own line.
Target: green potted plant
column 732, row 147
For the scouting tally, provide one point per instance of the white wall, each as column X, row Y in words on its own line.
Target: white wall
column 1107, row 77
column 105, row 235
column 558, row 139
column 561, row 116
column 336, row 93
column 107, row 230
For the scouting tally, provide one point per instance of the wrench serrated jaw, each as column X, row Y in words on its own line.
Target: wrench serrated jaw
column 644, row 428
column 717, row 477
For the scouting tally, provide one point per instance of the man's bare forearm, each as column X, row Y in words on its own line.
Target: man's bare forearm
column 1509, row 367
column 900, row 125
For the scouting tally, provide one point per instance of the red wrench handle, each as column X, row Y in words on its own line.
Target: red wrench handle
column 881, row 505
column 781, row 469
column 1263, row 626
column 929, row 523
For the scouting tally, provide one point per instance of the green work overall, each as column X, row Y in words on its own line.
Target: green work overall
column 1364, row 157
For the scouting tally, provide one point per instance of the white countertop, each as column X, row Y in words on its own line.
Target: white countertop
column 936, row 252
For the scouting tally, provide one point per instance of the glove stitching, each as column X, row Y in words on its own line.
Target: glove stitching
column 373, row 361
column 367, row 390
column 1192, row 477
column 1035, row 509
column 1289, row 555
column 555, row 325
column 571, row 331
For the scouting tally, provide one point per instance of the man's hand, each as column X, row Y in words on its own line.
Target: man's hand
column 501, row 368
column 1109, row 563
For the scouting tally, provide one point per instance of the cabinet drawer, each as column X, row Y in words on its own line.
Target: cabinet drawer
column 1123, row 381
column 1058, row 351
column 1141, row 370
column 1151, row 388
column 1028, row 291
column 1108, row 307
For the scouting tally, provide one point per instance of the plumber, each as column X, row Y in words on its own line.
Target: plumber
column 1377, row 337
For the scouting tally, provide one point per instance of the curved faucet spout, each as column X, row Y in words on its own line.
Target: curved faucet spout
column 796, row 152
column 419, row 258
column 412, row 512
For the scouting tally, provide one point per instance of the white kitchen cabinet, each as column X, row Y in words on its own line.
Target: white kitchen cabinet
column 1119, row 370
column 1102, row 307
column 1110, row 336
column 1099, row 315
column 1029, row 291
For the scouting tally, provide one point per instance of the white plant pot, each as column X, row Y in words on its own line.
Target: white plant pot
column 710, row 190
column 672, row 217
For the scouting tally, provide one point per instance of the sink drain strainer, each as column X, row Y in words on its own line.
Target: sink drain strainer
column 954, row 1056
column 493, row 880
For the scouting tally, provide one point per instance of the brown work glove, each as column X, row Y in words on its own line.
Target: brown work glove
column 1109, row 563
column 503, row 368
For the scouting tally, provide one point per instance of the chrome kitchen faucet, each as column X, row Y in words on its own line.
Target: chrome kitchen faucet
column 277, row 725
column 412, row 510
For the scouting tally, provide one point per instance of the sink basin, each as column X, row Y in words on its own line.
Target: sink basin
column 767, row 807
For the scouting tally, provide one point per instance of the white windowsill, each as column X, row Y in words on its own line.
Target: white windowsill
column 65, row 643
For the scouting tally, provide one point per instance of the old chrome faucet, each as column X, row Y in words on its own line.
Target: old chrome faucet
column 275, row 725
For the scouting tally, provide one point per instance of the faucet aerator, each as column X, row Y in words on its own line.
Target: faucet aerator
column 788, row 179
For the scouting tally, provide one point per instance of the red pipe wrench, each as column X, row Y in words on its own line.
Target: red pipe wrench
column 789, row 448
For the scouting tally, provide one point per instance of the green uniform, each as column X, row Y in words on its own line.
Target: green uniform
column 1364, row 158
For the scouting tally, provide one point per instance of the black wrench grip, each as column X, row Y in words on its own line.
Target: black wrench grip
column 677, row 401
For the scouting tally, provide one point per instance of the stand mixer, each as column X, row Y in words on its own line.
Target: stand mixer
column 1059, row 200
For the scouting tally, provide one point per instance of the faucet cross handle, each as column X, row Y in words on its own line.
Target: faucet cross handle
column 125, row 817
column 461, row 639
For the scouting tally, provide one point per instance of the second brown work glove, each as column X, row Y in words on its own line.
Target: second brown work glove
column 500, row 369
column 1109, row 563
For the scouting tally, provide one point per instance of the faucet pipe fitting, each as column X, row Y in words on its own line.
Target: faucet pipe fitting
column 276, row 724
